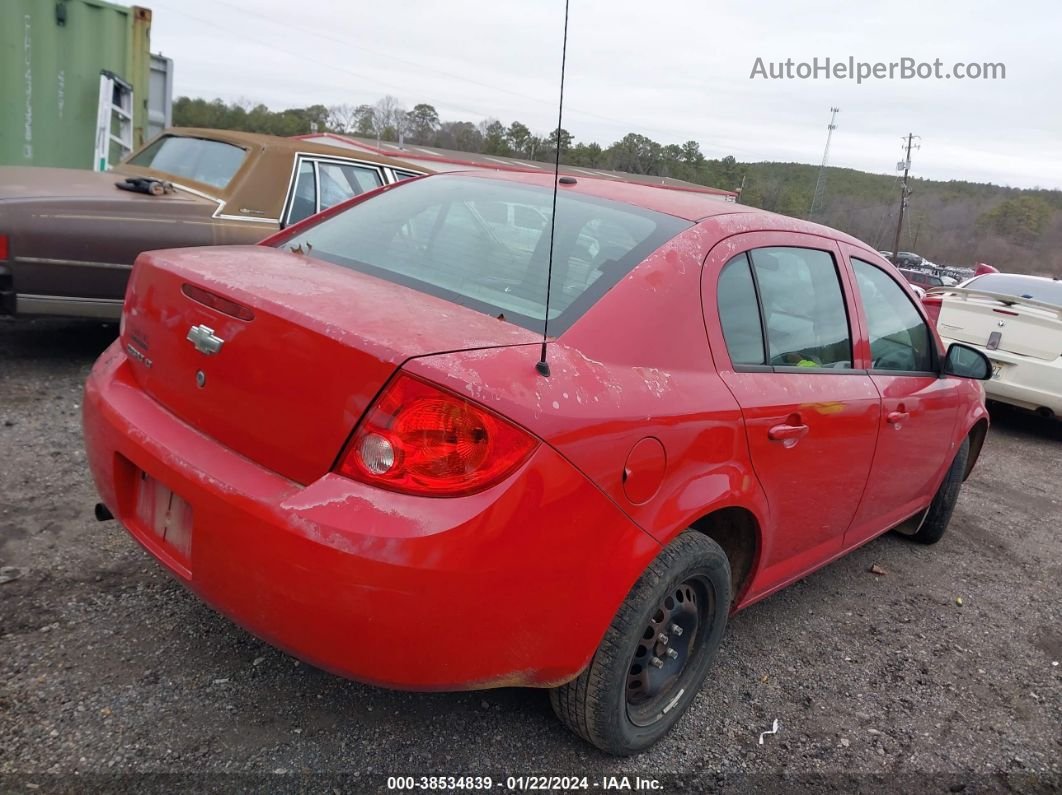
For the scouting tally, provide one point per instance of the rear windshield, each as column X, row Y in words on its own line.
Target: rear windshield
column 484, row 244
column 1047, row 290
column 210, row 162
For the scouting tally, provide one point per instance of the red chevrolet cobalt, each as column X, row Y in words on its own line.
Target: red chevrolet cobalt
column 343, row 439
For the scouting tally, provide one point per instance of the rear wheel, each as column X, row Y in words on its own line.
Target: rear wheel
column 940, row 510
column 656, row 653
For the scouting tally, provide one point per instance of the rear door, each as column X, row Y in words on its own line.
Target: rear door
column 776, row 313
column 919, row 407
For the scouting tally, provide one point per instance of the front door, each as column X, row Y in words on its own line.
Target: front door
column 919, row 407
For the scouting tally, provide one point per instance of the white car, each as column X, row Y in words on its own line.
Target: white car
column 1016, row 321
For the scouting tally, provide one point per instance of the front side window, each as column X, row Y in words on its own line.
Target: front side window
column 803, row 308
column 899, row 337
column 198, row 159
column 445, row 235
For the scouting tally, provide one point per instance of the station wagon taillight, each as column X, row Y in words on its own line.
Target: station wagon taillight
column 4, row 247
column 420, row 439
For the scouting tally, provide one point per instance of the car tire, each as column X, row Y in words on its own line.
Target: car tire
column 940, row 510
column 637, row 686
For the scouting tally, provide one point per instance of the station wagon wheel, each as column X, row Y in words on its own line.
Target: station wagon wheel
column 656, row 652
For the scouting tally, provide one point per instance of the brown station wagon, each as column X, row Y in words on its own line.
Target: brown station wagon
column 68, row 238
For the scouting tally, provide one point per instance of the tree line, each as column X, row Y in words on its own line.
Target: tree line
column 952, row 223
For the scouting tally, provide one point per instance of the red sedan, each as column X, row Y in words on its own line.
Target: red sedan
column 341, row 440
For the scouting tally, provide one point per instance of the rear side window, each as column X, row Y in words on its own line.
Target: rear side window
column 791, row 299
column 803, row 308
column 198, row 159
column 899, row 338
column 484, row 244
column 739, row 312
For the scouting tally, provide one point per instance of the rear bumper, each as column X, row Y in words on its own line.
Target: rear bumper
column 512, row 586
column 1024, row 381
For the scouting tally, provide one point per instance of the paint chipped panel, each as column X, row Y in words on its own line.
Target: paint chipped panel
column 636, row 364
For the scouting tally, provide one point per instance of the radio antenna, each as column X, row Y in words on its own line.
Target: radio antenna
column 543, row 365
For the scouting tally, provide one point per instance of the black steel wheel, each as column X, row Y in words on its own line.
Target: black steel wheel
column 656, row 653
column 663, row 653
column 940, row 509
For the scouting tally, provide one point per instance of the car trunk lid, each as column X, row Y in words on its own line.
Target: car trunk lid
column 277, row 355
column 1000, row 322
column 29, row 183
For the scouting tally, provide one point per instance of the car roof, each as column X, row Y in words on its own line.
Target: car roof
column 683, row 203
column 277, row 143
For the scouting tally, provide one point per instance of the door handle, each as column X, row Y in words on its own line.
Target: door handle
column 784, row 432
column 896, row 417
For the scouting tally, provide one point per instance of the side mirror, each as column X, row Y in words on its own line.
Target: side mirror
column 966, row 362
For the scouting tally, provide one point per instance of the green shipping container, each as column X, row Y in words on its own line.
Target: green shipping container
column 51, row 56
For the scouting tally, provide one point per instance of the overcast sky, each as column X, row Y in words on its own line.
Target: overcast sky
column 673, row 71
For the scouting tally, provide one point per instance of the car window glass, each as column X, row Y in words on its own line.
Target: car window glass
column 803, row 308
column 739, row 312
column 494, row 213
column 899, row 337
column 527, row 218
column 198, row 159
column 1031, row 287
column 434, row 234
column 340, row 182
column 304, row 202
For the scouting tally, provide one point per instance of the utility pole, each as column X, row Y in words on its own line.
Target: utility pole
column 905, row 193
column 820, row 183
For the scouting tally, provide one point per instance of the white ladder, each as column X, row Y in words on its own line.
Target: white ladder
column 114, row 120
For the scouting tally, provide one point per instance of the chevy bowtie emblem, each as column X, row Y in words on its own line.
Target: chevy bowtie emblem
column 204, row 340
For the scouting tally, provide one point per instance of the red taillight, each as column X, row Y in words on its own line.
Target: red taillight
column 420, row 439
column 4, row 249
column 214, row 301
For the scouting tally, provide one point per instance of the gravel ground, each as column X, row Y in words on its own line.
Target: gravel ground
column 940, row 675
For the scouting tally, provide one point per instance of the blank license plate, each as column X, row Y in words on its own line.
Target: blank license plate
column 166, row 514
